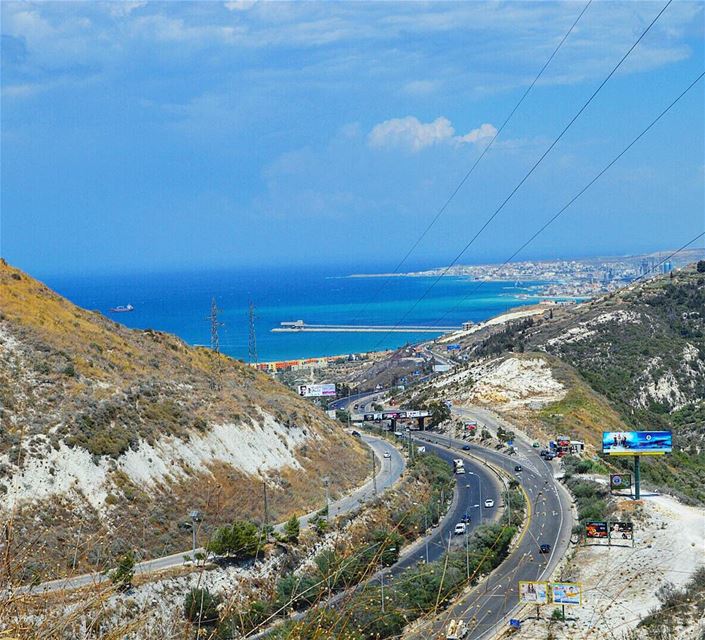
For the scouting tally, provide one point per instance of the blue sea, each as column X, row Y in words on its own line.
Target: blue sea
column 179, row 303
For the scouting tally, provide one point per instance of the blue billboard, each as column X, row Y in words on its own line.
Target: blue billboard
column 453, row 347
column 631, row 443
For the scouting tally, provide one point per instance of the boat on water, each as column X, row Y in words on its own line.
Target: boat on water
column 122, row 308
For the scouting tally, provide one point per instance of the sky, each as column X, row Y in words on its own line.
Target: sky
column 148, row 136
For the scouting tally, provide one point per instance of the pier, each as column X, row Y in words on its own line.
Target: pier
column 301, row 326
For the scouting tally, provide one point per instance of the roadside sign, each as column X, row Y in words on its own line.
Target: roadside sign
column 566, row 593
column 596, row 530
column 533, row 592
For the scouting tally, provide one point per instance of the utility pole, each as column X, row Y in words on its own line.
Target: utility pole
column 467, row 554
column 381, row 578
column 374, row 472
column 213, row 317
column 326, row 483
column 266, row 508
column 252, row 339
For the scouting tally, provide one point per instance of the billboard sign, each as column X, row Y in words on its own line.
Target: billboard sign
column 533, row 592
column 316, row 390
column 630, row 443
column 622, row 530
column 596, row 530
column 620, row 480
column 567, row 593
column 390, row 415
column 371, row 417
column 453, row 347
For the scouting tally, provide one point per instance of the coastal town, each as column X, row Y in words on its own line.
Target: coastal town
column 575, row 278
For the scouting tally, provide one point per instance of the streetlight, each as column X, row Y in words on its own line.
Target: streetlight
column 381, row 579
column 195, row 516
column 479, row 485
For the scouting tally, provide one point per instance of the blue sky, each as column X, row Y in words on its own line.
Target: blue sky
column 149, row 136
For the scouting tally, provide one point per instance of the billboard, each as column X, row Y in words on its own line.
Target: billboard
column 316, row 390
column 567, row 593
column 629, row 443
column 620, row 480
column 370, row 417
column 596, row 530
column 453, row 347
column 533, row 592
column 622, row 530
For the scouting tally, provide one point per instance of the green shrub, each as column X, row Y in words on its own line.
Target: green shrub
column 240, row 540
column 200, row 605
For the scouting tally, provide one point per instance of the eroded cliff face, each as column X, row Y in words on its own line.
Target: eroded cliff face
column 112, row 436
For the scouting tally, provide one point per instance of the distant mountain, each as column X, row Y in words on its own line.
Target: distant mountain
column 110, row 437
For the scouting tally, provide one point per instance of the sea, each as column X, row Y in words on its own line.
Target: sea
column 180, row 302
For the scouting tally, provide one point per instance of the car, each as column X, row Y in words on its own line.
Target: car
column 465, row 519
column 356, row 434
column 460, row 529
column 489, row 503
column 549, row 456
column 466, row 447
column 517, row 467
column 545, row 548
column 535, row 445
column 387, row 454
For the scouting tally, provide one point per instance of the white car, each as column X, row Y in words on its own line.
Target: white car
column 387, row 454
column 489, row 504
column 460, row 529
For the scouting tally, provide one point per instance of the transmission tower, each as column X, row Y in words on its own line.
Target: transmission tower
column 215, row 323
column 252, row 341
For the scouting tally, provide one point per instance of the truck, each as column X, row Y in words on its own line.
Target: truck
column 458, row 466
column 457, row 630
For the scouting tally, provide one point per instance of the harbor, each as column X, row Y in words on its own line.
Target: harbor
column 299, row 326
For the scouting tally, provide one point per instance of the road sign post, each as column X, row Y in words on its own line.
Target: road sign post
column 637, row 478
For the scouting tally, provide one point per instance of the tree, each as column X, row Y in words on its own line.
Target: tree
column 701, row 266
column 200, row 605
column 440, row 412
column 240, row 540
column 292, row 529
column 123, row 574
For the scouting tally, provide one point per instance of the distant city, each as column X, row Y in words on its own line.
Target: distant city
column 576, row 278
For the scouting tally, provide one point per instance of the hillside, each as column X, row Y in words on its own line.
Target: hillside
column 109, row 437
column 632, row 360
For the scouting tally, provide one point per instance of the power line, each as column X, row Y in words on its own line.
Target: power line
column 252, row 337
column 582, row 191
column 215, row 323
column 467, row 175
column 491, row 142
column 533, row 168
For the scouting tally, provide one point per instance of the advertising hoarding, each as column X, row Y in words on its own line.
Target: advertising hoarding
column 533, row 592
column 622, row 530
column 316, row 390
column 370, row 417
column 567, row 593
column 620, row 480
column 643, row 443
column 453, row 347
column 596, row 530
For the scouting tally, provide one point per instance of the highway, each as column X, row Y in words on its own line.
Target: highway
column 550, row 522
column 472, row 489
column 389, row 471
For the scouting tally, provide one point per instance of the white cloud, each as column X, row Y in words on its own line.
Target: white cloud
column 124, row 8
column 240, row 5
column 420, row 87
column 485, row 131
column 411, row 133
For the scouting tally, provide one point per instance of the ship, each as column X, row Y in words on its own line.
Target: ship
column 122, row 308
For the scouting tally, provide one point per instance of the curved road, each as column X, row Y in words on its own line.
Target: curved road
column 550, row 522
column 389, row 470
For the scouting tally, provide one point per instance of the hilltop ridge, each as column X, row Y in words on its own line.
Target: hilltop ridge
column 109, row 429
